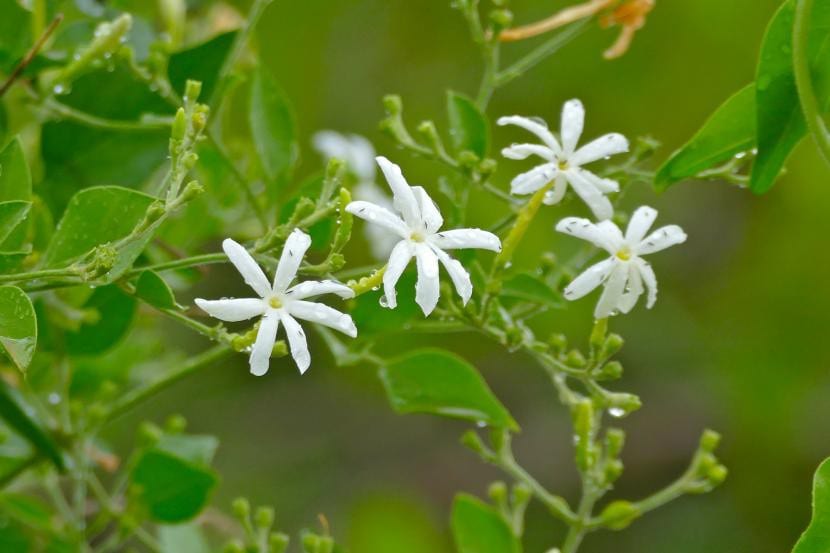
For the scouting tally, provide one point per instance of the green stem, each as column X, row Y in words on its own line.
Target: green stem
column 84, row 118
column 489, row 82
column 804, row 80
column 44, row 273
column 546, row 49
column 184, row 263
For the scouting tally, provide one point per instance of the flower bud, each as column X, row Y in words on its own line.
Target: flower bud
column 613, row 470
column 610, row 371
column 709, row 440
column 241, row 508
column 501, row 18
column 575, row 359
column 717, row 475
column 191, row 190
column 192, row 90
column 621, row 404
column 612, row 345
column 179, row 125
column 148, row 434
column 521, row 495
column 487, row 167
column 619, row 514
column 471, row 440
column 558, row 342
column 264, row 517
column 278, row 542
column 393, row 104
column 498, row 492
column 176, row 424
column 234, row 547
column 468, row 159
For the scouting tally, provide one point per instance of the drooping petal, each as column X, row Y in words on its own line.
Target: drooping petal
column 427, row 287
column 588, row 281
column 555, row 194
column 465, row 238
column 458, row 274
column 635, row 289
column 247, row 267
column 661, row 239
column 322, row 314
column 523, row 151
column 430, row 216
column 264, row 344
column 379, row 216
column 641, row 221
column 611, row 295
column 586, row 230
column 599, row 148
column 591, row 195
column 403, row 196
column 296, row 342
column 232, row 310
column 650, row 279
column 531, row 181
column 292, row 255
column 606, row 186
column 539, row 129
column 311, row 288
column 573, row 121
column 398, row 260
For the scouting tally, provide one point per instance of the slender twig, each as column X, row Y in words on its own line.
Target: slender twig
column 30, row 55
column 559, row 19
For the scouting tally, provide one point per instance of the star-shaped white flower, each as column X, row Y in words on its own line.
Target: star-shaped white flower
column 625, row 272
column 419, row 235
column 564, row 162
column 279, row 303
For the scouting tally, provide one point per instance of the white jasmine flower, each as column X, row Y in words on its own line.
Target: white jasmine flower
column 625, row 272
column 564, row 162
column 418, row 234
column 279, row 303
column 359, row 155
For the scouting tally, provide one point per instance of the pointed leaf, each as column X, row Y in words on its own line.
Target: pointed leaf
column 528, row 287
column 478, row 528
column 153, row 289
column 816, row 539
column 111, row 315
column 18, row 326
column 18, row 416
column 468, row 126
column 15, row 179
column 272, row 126
column 11, row 215
column 202, row 63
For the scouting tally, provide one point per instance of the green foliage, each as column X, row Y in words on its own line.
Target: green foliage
column 18, row 326
column 110, row 313
column 816, row 539
column 469, row 129
column 20, row 416
column 478, row 528
column 151, row 288
column 530, row 288
column 272, row 126
column 201, row 63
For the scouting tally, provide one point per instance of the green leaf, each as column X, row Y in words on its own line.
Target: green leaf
column 182, row 538
column 816, row 539
column 111, row 314
column 272, row 126
column 372, row 318
column 478, row 528
column 438, row 382
column 11, row 215
column 202, row 62
column 15, row 35
column 468, row 126
column 198, row 449
column 171, row 488
column 528, row 287
column 151, row 288
column 15, row 178
column 18, row 326
column 729, row 131
column 781, row 124
column 16, row 413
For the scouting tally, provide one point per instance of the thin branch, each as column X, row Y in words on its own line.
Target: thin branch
column 30, row 55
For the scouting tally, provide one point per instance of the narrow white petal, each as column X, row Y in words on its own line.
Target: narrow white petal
column 537, row 128
column 464, row 238
column 606, row 186
column 247, row 267
column 292, row 255
column 403, row 197
column 602, row 147
column 614, row 288
column 555, row 195
column 591, row 195
column 459, row 275
column 430, row 216
column 523, row 151
column 322, row 314
column 264, row 344
column 650, row 279
column 661, row 239
column 635, row 289
column 331, row 144
column 362, row 157
column 592, row 277
column 573, row 121
column 232, row 310
column 296, row 342
column 427, row 287
column 311, row 288
column 398, row 260
column 531, row 181
column 641, row 221
column 379, row 216
column 586, row 230
column 610, row 229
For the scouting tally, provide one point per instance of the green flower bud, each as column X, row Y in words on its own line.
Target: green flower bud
column 583, row 420
column 558, row 342
column 176, row 424
column 613, row 470
column 264, row 517
column 191, row 190
column 278, row 542
column 234, row 547
column 717, row 475
column 598, row 333
column 521, row 495
column 179, row 125
column 468, row 159
column 610, row 371
column 709, row 440
column 192, row 90
column 472, row 441
column 487, row 167
column 241, row 508
column 311, row 542
column 498, row 492
column 614, row 442
column 575, row 359
column 619, row 515
column 189, row 160
column 621, row 404
column 501, row 18
column 393, row 104
column 612, row 345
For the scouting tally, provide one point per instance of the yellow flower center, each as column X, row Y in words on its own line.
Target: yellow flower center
column 417, row 237
column 563, row 165
column 624, row 253
column 275, row 302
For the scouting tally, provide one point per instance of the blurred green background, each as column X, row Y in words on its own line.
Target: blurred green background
column 736, row 342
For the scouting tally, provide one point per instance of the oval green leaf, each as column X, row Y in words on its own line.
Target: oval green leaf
column 272, row 126
column 202, row 63
column 11, row 215
column 469, row 129
column 440, row 383
column 816, row 539
column 729, row 131
column 111, row 313
column 478, row 528
column 153, row 289
column 18, row 326
column 528, row 287
column 15, row 178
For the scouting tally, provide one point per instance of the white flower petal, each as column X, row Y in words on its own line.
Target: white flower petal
column 379, row 216
column 232, row 310
column 296, row 342
column 555, row 195
column 592, row 277
column 403, row 196
column 591, row 195
column 661, row 239
column 464, row 238
column 531, row 181
column 606, row 186
column 614, row 288
column 602, row 147
column 459, row 275
column 635, row 289
column 322, row 314
column 331, row 144
column 641, row 221
column 430, row 216
column 537, row 128
column 650, row 279
column 601, row 237
column 264, row 344
column 427, row 287
column 523, row 151
column 398, row 260
column 311, row 288
column 247, row 267
column 292, row 255
column 573, row 121
column 362, row 157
